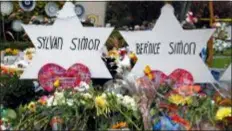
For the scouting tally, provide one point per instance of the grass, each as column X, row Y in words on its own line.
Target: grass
column 227, row 52
column 221, row 62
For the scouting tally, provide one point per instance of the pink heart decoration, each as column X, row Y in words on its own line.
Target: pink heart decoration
column 178, row 76
column 70, row 78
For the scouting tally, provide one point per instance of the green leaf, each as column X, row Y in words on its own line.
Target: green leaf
column 11, row 114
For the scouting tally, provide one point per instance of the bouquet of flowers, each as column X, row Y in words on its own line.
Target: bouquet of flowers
column 75, row 108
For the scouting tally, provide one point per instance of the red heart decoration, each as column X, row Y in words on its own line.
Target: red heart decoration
column 160, row 77
column 178, row 76
column 181, row 77
column 49, row 73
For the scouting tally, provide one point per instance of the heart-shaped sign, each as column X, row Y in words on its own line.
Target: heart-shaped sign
column 70, row 78
column 179, row 77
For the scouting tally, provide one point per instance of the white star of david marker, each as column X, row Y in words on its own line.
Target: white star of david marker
column 226, row 75
column 153, row 47
column 63, row 47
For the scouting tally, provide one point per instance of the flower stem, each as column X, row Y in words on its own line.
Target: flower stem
column 26, row 120
column 137, row 128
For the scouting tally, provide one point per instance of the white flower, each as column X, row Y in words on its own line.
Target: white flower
column 29, row 50
column 3, row 127
column 57, row 99
column 103, row 95
column 119, row 96
column 82, row 87
column 87, row 95
column 129, row 102
column 49, row 101
column 125, row 62
column 70, row 102
column 212, row 102
column 84, row 84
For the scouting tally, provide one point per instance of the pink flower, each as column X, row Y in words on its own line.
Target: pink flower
column 190, row 18
column 43, row 100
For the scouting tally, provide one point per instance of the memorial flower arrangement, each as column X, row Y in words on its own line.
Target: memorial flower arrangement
column 148, row 105
column 9, row 57
column 10, row 51
column 119, row 61
column 72, row 109
column 17, row 63
column 9, row 70
column 69, row 100
column 29, row 53
column 154, row 101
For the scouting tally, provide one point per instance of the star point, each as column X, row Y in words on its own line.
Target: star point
column 226, row 75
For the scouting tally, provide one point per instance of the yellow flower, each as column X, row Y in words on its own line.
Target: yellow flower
column 148, row 72
column 15, row 52
column 101, row 105
column 100, row 102
column 179, row 100
column 8, row 50
column 189, row 100
column 150, row 76
column 133, row 57
column 56, row 83
column 147, row 69
column 113, row 53
column 32, row 106
column 223, row 112
column 176, row 99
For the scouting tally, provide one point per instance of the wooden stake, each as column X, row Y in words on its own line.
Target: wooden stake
column 209, row 60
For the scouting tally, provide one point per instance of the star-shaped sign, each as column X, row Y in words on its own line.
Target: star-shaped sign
column 226, row 75
column 168, row 47
column 67, row 42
